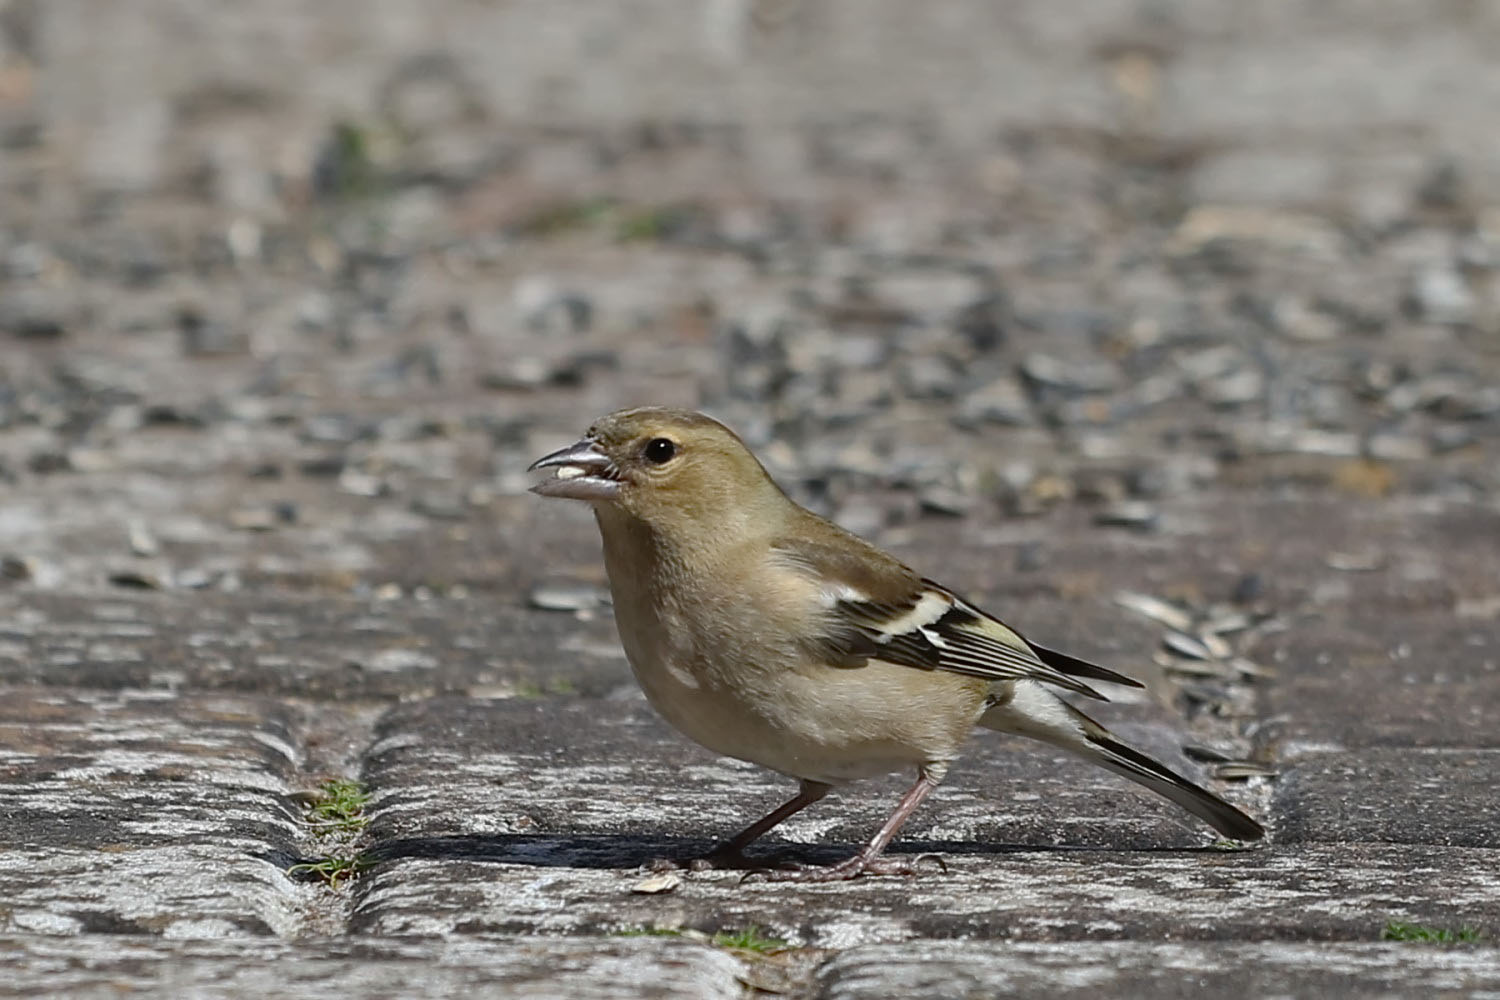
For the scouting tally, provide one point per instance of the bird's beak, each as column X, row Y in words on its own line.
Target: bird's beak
column 583, row 473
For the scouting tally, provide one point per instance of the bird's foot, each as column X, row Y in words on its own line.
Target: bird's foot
column 850, row 868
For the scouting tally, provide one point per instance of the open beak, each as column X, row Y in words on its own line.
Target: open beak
column 583, row 473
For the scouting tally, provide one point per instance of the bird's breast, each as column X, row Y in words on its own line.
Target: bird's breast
column 720, row 658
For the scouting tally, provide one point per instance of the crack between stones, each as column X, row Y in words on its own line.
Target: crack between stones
column 332, row 740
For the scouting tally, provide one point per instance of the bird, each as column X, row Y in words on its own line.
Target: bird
column 769, row 634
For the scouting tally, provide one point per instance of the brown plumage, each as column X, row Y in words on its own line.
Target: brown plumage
column 767, row 633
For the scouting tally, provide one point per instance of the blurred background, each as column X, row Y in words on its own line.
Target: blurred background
column 290, row 293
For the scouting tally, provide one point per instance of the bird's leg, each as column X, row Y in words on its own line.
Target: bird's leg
column 730, row 854
column 868, row 861
column 810, row 792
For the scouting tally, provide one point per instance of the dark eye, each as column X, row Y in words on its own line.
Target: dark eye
column 660, row 450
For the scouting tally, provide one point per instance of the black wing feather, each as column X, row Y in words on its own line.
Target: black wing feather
column 1081, row 668
column 953, row 642
column 958, row 637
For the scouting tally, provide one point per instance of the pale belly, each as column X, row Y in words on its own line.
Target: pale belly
column 833, row 727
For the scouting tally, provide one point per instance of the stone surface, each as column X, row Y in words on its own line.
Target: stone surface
column 548, row 806
column 577, row 885
column 1420, row 796
column 1434, row 682
column 541, row 968
column 950, row 969
column 327, row 646
column 136, row 813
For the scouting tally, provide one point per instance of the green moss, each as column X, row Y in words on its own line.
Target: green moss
column 339, row 803
column 566, row 216
column 1399, row 931
column 348, row 166
column 625, row 222
column 336, row 814
column 750, row 938
column 333, row 871
column 645, row 224
column 529, row 689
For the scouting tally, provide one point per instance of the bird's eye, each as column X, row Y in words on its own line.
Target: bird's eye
column 660, row 450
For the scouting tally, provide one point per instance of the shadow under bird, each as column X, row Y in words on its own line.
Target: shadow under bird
column 767, row 633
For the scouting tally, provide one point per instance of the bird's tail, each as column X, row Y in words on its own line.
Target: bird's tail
column 1035, row 712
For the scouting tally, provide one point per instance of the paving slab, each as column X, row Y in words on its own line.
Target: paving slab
column 945, row 969
column 1411, row 796
column 1359, row 682
column 548, row 810
column 336, row 969
column 131, row 812
column 323, row 646
column 562, row 884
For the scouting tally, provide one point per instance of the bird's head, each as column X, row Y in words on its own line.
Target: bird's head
column 663, row 466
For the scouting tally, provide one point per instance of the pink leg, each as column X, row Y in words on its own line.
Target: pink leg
column 868, row 861
column 730, row 854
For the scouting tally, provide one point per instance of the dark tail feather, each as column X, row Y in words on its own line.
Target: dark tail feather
column 1035, row 712
column 1072, row 665
column 1136, row 766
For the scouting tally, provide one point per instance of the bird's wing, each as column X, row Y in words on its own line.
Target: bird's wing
column 876, row 608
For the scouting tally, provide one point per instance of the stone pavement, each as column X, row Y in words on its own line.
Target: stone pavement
column 151, row 823
column 1177, row 349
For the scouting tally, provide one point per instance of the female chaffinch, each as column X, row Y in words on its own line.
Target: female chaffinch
column 767, row 633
